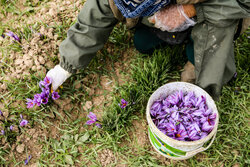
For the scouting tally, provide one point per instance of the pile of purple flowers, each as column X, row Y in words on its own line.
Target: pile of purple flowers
column 183, row 116
column 43, row 97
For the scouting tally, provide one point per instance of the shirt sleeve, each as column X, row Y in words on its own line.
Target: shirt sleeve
column 88, row 35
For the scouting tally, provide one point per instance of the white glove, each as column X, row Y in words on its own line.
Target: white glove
column 58, row 75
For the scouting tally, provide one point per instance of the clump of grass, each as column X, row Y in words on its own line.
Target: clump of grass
column 148, row 73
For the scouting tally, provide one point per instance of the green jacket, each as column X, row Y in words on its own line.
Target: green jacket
column 213, row 38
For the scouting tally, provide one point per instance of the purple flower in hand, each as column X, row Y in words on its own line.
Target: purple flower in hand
column 92, row 117
column 30, row 103
column 23, row 122
column 27, row 160
column 123, row 104
column 55, row 95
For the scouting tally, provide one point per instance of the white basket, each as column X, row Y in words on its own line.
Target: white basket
column 171, row 148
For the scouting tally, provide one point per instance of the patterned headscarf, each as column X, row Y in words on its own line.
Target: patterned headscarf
column 139, row 8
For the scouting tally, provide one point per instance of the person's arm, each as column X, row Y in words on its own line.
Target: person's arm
column 88, row 35
column 94, row 25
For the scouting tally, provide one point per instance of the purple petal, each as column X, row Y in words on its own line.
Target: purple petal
column 157, row 106
column 203, row 134
column 27, row 160
column 123, row 104
column 23, row 122
column 92, row 116
column 30, row 103
column 98, row 125
column 55, row 95
column 208, row 112
column 89, row 122
column 198, row 113
column 1, row 114
column 207, row 127
column 2, row 132
column 47, row 81
column 11, row 127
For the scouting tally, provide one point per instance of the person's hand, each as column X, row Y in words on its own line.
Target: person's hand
column 173, row 18
column 58, row 75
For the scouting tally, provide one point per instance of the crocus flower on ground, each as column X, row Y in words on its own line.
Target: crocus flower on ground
column 183, row 116
column 92, row 117
column 2, row 132
column 27, row 160
column 14, row 36
column 43, row 97
column 123, row 104
column 92, row 120
column 23, row 122
column 55, row 95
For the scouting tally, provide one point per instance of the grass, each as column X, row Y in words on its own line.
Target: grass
column 78, row 144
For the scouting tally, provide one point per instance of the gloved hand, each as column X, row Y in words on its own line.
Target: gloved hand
column 174, row 18
column 58, row 75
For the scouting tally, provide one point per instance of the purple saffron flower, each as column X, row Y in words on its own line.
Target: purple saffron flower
column 203, row 134
column 30, row 103
column 3, row 35
column 181, row 134
column 14, row 36
column 198, row 113
column 23, row 122
column 2, row 132
column 207, row 127
column 98, row 125
column 44, row 98
column 45, row 83
column 173, row 99
column 171, row 128
column 153, row 113
column 27, row 160
column 37, row 99
column 123, row 104
column 55, row 95
column 193, row 135
column 92, row 117
column 157, row 106
column 11, row 127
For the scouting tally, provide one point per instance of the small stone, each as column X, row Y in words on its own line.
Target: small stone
column 41, row 60
column 29, row 63
column 18, row 61
column 88, row 105
column 37, row 63
column 20, row 148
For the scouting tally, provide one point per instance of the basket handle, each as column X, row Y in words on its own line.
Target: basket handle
column 192, row 153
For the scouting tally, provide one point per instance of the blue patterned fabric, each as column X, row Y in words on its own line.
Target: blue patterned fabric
column 139, row 8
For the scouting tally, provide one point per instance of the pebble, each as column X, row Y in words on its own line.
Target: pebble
column 20, row 148
column 41, row 60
